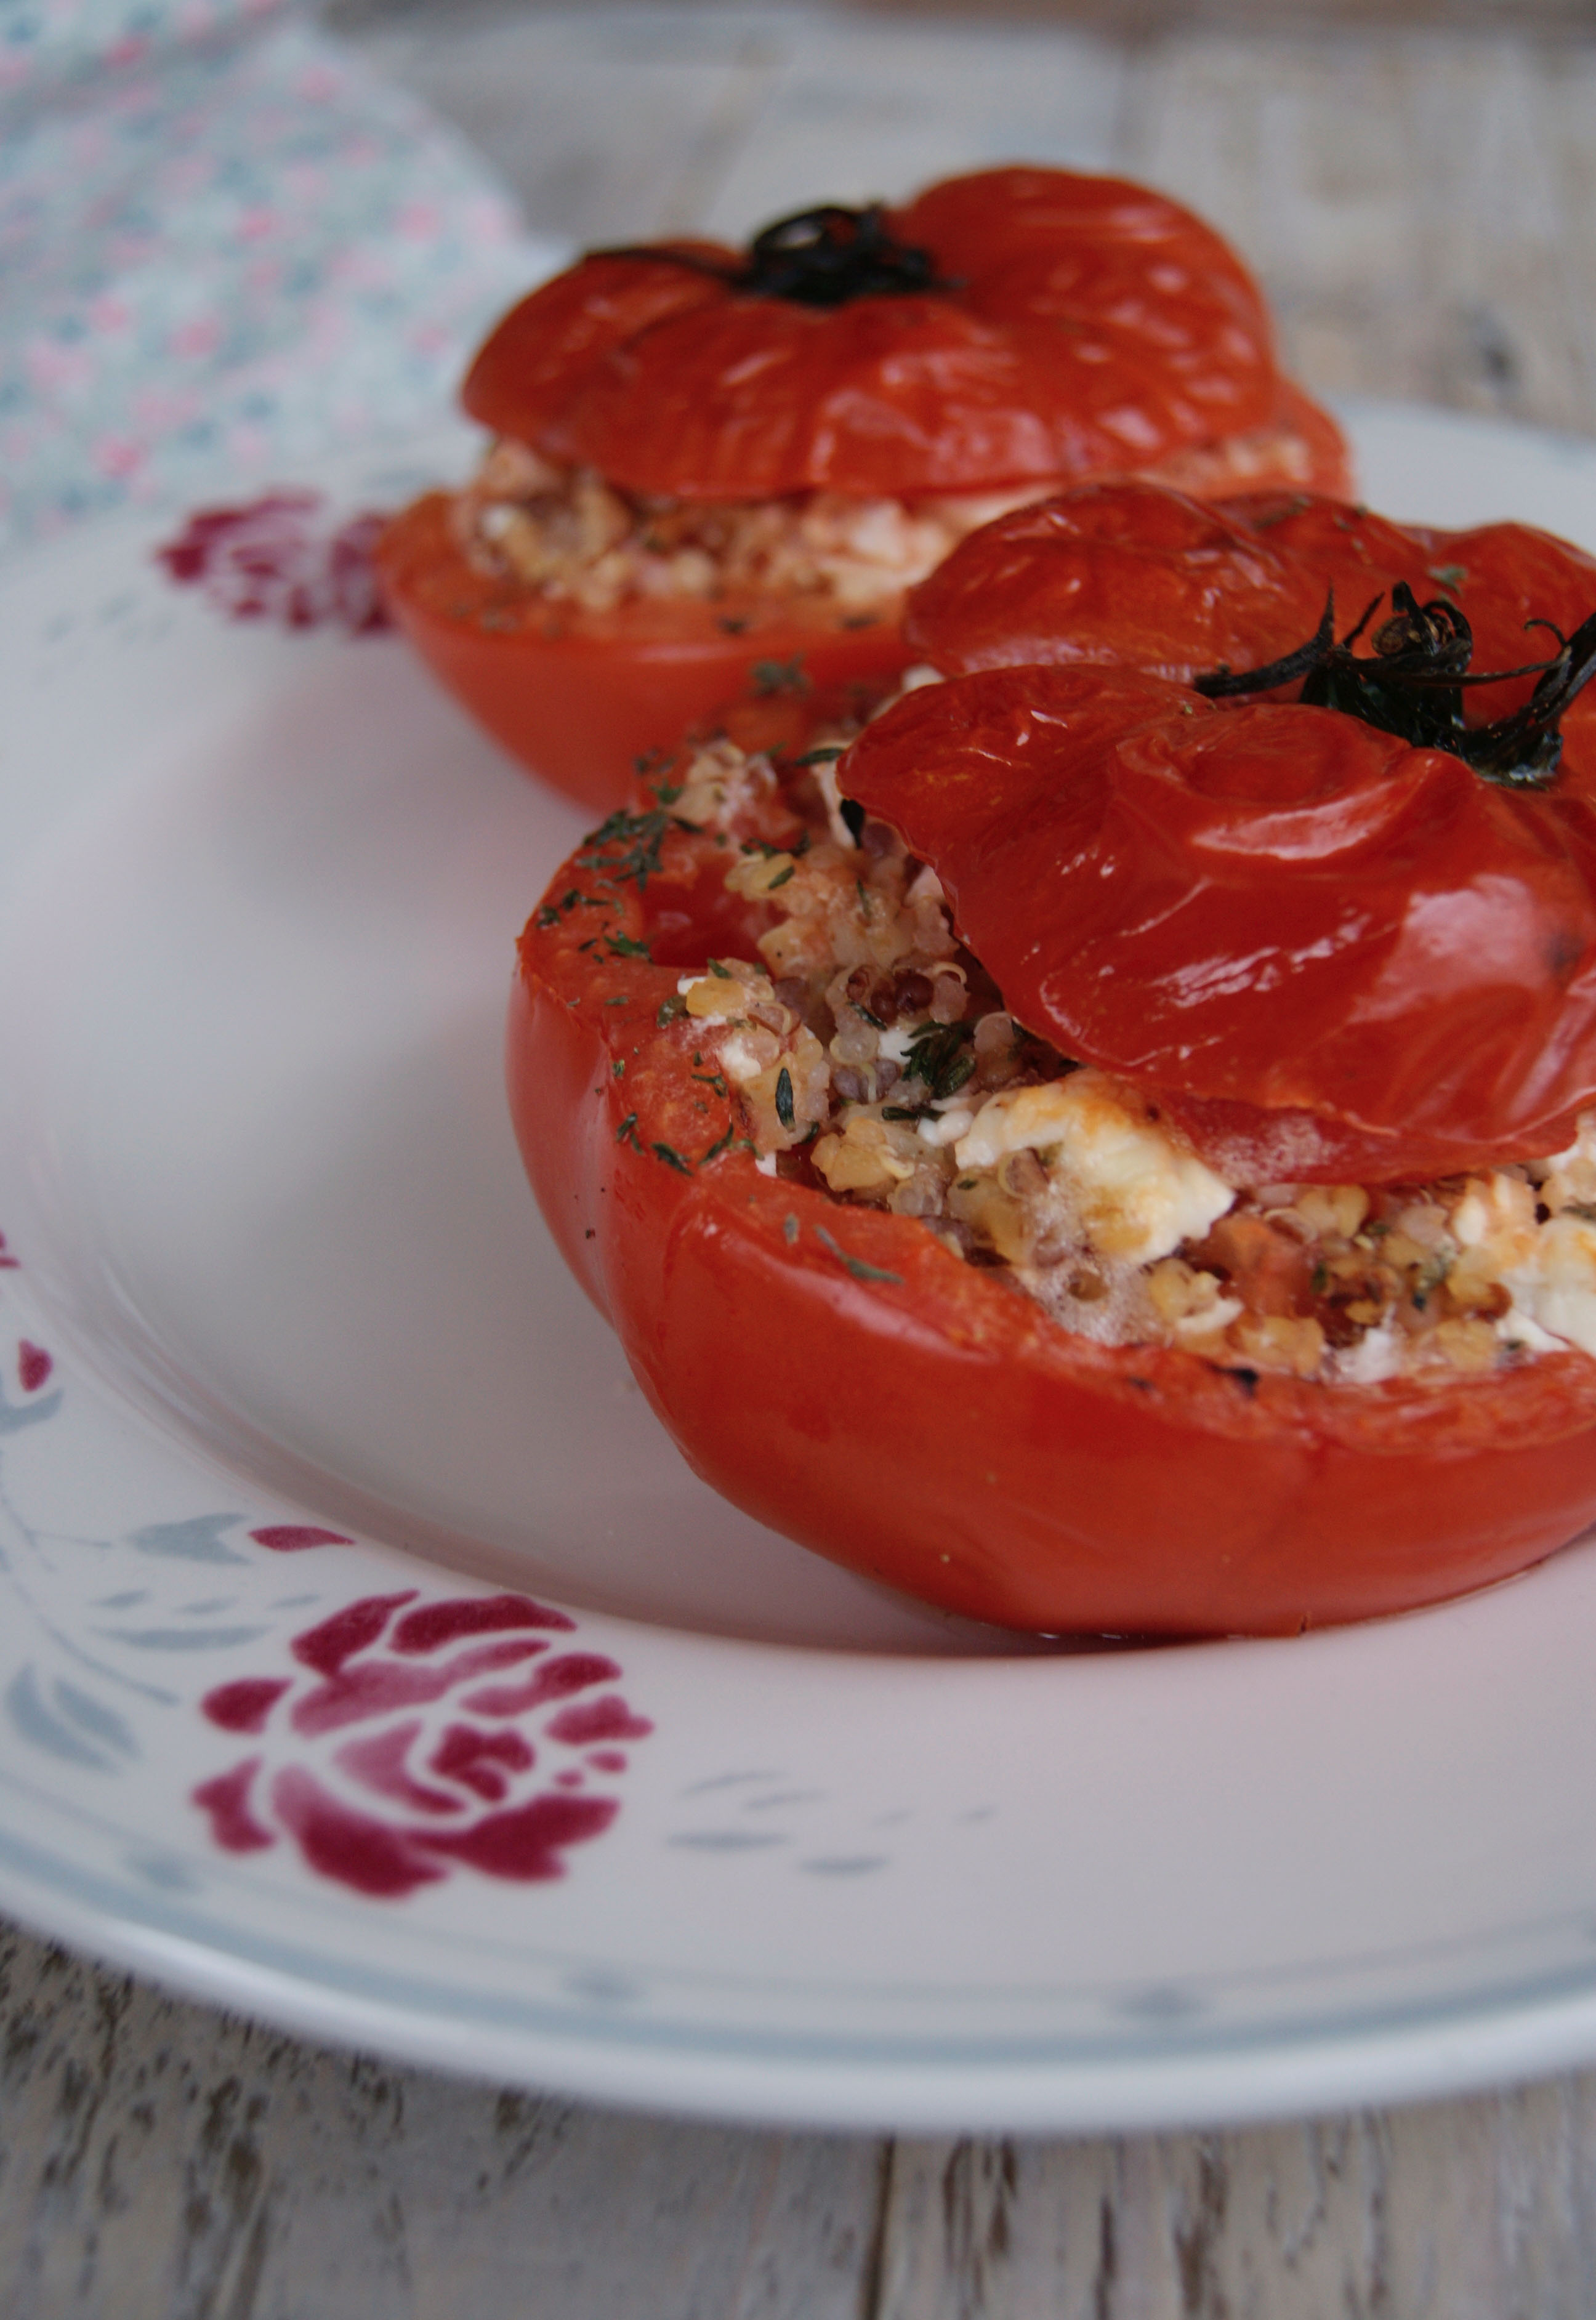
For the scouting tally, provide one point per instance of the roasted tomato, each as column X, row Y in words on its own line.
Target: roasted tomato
column 1335, row 953
column 712, row 465
column 859, row 1111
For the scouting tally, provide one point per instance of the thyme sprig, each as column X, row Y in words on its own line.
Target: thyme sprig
column 940, row 1058
column 1412, row 685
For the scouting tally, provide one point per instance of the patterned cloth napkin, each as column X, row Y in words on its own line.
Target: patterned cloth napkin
column 224, row 247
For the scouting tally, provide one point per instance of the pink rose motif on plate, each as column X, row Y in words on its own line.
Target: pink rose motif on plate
column 416, row 1735
column 278, row 559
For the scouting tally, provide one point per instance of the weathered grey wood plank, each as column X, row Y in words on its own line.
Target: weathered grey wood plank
column 1412, row 210
column 612, row 124
column 853, row 111
column 161, row 2162
column 1477, row 2210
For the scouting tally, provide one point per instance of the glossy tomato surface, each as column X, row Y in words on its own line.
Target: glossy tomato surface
column 1081, row 325
column 840, row 1374
column 1336, row 957
column 1132, row 574
column 580, row 697
column 1265, row 906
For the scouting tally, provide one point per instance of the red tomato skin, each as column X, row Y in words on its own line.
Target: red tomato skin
column 1122, row 573
column 1089, row 326
column 1266, row 906
column 580, row 706
column 918, row 1420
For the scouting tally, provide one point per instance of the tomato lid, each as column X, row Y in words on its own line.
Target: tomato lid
column 1337, row 950
column 1015, row 325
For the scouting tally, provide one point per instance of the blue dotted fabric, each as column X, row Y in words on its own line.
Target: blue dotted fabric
column 224, row 246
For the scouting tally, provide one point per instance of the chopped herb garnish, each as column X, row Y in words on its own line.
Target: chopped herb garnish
column 724, row 973
column 865, row 905
column 570, row 898
column 618, row 1068
column 672, row 1158
column 627, row 1133
column 627, row 844
column 938, row 1056
column 857, row 1266
column 622, row 999
column 624, row 946
column 549, row 916
column 772, row 676
column 781, row 878
column 784, row 1098
column 790, row 1231
column 722, row 1143
column 711, row 1079
column 827, row 756
column 670, row 1008
column 902, row 1112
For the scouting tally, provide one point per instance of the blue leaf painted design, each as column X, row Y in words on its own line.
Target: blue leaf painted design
column 14, row 1417
column 36, row 1723
column 93, row 1716
column 197, row 1540
column 162, row 1870
column 181, row 1639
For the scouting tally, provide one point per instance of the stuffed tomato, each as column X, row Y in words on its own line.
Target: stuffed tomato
column 1101, row 1153
column 713, row 469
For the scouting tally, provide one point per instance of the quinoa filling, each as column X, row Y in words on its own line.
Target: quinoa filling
column 876, row 1062
column 568, row 535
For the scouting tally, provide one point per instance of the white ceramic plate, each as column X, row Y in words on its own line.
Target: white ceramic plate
column 370, row 1662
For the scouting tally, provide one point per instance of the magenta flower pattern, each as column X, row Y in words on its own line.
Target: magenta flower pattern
column 412, row 1736
column 278, row 559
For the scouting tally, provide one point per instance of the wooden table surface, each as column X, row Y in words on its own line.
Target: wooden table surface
column 1417, row 190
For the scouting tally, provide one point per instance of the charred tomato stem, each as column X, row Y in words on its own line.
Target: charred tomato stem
column 824, row 256
column 1412, row 685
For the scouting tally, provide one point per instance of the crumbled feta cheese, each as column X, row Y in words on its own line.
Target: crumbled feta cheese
column 1557, row 1286
column 1376, row 1355
column 739, row 1060
column 1516, row 1329
column 1140, row 1196
column 947, row 1126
